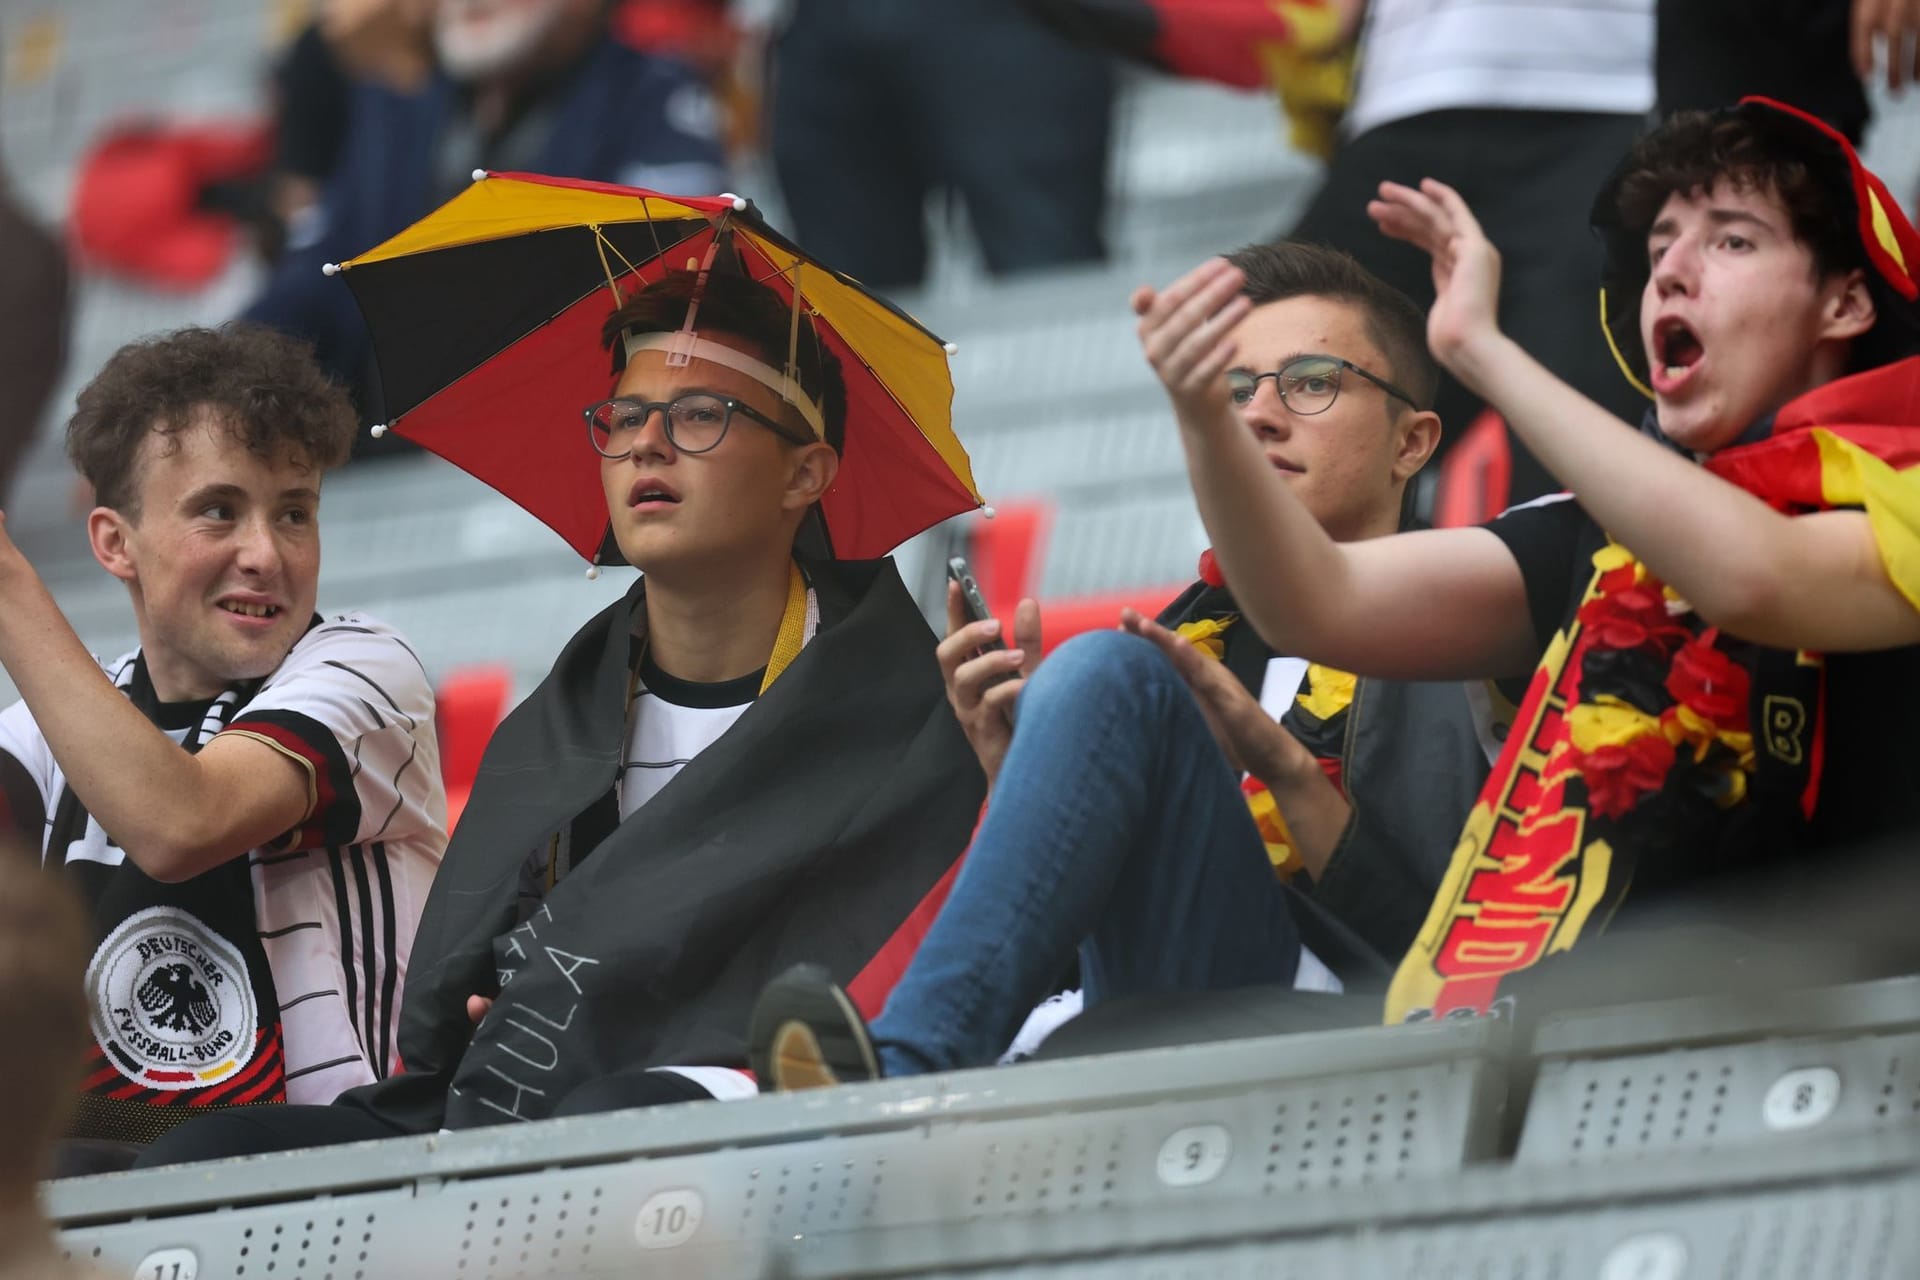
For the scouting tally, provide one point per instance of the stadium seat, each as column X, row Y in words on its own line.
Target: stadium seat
column 468, row 707
column 1006, row 553
column 1476, row 475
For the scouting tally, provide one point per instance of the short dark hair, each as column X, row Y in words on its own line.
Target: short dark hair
column 43, row 962
column 1754, row 149
column 1292, row 269
column 262, row 387
column 731, row 303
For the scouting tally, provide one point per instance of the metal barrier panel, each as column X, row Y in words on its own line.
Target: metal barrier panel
column 1828, row 1210
column 1837, row 1061
column 708, row 1189
column 1852, row 1233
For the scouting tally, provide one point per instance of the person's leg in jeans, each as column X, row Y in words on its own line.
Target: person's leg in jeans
column 1115, row 823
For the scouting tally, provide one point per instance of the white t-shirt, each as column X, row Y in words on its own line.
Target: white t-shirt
column 1418, row 56
column 336, row 900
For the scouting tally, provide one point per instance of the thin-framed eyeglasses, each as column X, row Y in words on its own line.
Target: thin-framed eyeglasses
column 696, row 422
column 1307, row 384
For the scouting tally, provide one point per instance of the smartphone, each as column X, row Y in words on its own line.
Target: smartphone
column 971, row 600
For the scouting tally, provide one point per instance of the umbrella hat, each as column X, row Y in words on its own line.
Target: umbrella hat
column 486, row 319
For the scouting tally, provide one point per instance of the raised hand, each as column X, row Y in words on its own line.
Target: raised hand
column 1183, row 333
column 1893, row 25
column 1466, row 266
column 982, row 683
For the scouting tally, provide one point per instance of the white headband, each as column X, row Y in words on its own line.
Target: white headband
column 683, row 344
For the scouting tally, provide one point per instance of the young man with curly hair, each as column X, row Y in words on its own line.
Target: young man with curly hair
column 250, row 802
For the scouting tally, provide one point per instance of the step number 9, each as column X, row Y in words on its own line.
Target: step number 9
column 1195, row 1155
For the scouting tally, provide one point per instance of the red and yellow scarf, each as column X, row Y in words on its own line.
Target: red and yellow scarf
column 1543, row 855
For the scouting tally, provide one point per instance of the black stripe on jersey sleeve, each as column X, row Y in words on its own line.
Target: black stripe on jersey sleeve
column 373, row 684
column 389, row 930
column 346, row 929
column 22, row 813
column 335, row 820
column 369, row 1037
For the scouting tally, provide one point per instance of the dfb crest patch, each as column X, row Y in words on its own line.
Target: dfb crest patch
column 171, row 1002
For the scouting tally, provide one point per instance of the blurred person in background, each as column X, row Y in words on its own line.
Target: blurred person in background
column 43, row 953
column 529, row 85
column 876, row 105
column 1818, row 55
column 250, row 802
column 33, row 297
column 1522, row 108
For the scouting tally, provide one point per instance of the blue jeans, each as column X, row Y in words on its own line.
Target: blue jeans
column 1118, row 827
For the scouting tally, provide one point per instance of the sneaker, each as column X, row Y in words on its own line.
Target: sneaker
column 807, row 1034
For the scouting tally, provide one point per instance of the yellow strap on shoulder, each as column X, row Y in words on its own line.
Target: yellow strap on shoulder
column 793, row 627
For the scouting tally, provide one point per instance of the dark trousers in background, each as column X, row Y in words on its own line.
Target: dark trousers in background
column 875, row 104
column 1530, row 177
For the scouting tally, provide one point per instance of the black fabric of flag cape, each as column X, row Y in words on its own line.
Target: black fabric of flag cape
column 810, row 831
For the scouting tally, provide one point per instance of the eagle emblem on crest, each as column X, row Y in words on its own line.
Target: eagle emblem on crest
column 177, row 1000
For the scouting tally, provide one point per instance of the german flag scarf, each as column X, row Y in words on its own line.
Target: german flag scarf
column 1644, row 730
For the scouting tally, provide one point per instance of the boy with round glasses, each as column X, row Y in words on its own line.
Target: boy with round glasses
column 746, row 761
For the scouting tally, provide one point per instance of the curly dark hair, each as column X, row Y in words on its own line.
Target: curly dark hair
column 1294, row 269
column 262, row 387
column 1752, row 149
column 734, row 304
column 1756, row 148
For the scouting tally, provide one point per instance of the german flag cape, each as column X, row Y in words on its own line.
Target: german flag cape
column 1636, row 742
column 821, row 827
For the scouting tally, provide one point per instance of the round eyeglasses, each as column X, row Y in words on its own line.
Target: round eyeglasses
column 1307, row 384
column 696, row 422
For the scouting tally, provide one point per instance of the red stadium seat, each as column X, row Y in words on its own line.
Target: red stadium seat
column 468, row 706
column 1476, row 475
column 1006, row 553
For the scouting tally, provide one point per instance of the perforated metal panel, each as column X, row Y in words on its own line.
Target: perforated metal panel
column 1823, row 1233
column 1584, row 1110
column 1064, row 1142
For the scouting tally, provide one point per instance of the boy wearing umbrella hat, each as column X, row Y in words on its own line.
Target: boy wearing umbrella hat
column 1722, row 679
column 747, row 760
